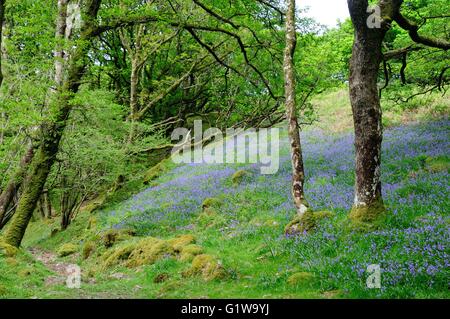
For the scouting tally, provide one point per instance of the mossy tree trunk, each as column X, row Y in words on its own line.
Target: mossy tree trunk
column 11, row 190
column 52, row 131
column 2, row 17
column 298, row 175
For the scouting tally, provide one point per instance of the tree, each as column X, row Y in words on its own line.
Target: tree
column 298, row 174
column 53, row 130
column 2, row 16
column 371, row 27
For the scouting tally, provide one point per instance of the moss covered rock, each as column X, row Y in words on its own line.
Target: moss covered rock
column 87, row 249
column 3, row 291
column 307, row 222
column 437, row 164
column 118, row 255
column 109, row 237
column 112, row 236
column 239, row 176
column 300, row 278
column 206, row 266
column 178, row 243
column 67, row 250
column 7, row 250
column 148, row 251
column 189, row 252
column 210, row 218
column 211, row 202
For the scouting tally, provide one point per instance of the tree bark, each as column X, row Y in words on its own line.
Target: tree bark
column 60, row 35
column 298, row 175
column 2, row 17
column 367, row 55
column 53, row 131
column 367, row 115
column 15, row 183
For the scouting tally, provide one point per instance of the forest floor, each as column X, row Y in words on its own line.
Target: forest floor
column 197, row 231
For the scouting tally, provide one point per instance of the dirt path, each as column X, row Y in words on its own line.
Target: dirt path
column 60, row 272
column 50, row 260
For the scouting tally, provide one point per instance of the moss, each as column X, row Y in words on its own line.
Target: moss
column 239, row 176
column 210, row 218
column 306, row 222
column 300, row 278
column 3, row 291
column 148, row 251
column 92, row 223
column 111, row 236
column 332, row 294
column 437, row 164
column 87, row 249
column 368, row 217
column 25, row 272
column 211, row 202
column 67, row 250
column 189, row 252
column 180, row 242
column 7, row 250
column 206, row 266
column 11, row 261
column 118, row 255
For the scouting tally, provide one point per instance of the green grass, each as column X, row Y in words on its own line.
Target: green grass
column 246, row 233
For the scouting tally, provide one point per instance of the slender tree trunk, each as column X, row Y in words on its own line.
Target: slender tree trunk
column 52, row 132
column 47, row 204
column 15, row 183
column 298, row 175
column 364, row 69
column 134, row 103
column 2, row 17
column 60, row 36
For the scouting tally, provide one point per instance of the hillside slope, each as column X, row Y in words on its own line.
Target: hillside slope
column 196, row 233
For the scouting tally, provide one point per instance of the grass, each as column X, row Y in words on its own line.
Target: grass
column 244, row 228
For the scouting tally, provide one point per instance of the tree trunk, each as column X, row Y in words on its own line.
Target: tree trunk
column 298, row 175
column 364, row 68
column 134, row 104
column 52, row 132
column 60, row 35
column 15, row 183
column 2, row 17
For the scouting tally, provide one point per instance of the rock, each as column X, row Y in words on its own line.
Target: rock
column 87, row 249
column 239, row 176
column 189, row 252
column 211, row 202
column 300, row 278
column 178, row 243
column 206, row 266
column 306, row 223
column 67, row 250
column 118, row 275
column 8, row 250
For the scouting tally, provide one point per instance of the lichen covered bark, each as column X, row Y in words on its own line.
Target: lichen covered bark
column 298, row 175
column 367, row 116
column 2, row 16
